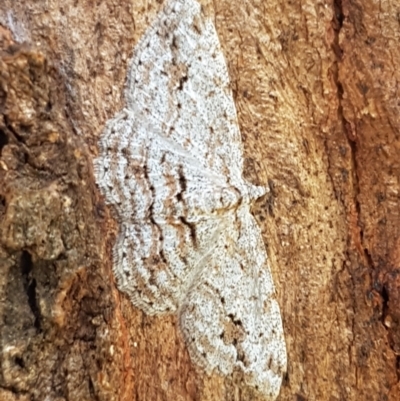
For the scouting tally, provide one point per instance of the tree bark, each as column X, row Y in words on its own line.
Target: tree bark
column 316, row 88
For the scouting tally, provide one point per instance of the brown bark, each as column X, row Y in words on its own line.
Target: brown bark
column 316, row 89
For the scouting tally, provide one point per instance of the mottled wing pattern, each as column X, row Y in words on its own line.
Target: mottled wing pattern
column 230, row 317
column 169, row 207
column 171, row 164
column 180, row 85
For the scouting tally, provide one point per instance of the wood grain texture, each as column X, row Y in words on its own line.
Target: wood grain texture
column 316, row 91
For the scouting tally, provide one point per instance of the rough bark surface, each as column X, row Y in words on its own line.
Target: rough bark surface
column 316, row 87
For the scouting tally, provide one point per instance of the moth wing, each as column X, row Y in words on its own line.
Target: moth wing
column 230, row 317
column 170, row 212
column 179, row 85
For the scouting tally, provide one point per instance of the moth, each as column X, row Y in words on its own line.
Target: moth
column 171, row 165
